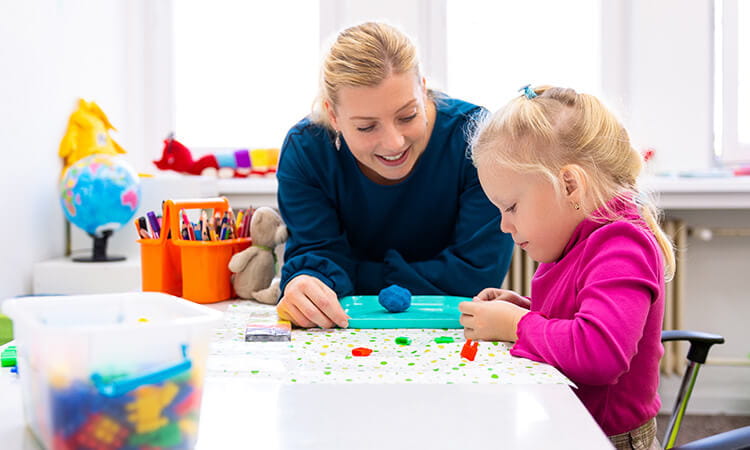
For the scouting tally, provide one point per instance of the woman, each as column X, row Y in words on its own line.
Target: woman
column 376, row 188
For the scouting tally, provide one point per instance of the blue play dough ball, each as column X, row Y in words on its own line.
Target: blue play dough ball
column 395, row 299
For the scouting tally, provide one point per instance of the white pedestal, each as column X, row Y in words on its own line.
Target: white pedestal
column 66, row 277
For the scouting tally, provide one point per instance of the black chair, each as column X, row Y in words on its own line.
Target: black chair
column 700, row 345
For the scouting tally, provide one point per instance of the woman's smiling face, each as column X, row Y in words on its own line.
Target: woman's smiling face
column 386, row 126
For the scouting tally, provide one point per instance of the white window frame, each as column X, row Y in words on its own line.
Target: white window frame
column 151, row 27
column 728, row 149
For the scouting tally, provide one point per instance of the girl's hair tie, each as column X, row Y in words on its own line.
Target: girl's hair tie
column 528, row 92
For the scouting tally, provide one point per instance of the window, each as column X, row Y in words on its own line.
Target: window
column 732, row 81
column 493, row 47
column 245, row 72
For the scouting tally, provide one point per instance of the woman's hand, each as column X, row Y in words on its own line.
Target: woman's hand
column 490, row 294
column 491, row 320
column 308, row 302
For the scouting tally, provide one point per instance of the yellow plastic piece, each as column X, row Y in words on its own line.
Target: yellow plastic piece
column 188, row 426
column 145, row 411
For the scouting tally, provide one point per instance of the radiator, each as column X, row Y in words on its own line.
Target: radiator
column 673, row 361
column 522, row 270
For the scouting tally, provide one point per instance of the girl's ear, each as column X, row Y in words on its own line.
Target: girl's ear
column 574, row 180
column 331, row 115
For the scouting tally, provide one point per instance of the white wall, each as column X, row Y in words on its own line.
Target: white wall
column 668, row 89
column 52, row 52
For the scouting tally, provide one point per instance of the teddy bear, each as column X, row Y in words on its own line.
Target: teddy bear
column 255, row 267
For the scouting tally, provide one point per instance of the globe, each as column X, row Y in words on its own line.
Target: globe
column 99, row 194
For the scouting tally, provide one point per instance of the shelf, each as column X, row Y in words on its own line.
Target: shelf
column 699, row 193
column 669, row 192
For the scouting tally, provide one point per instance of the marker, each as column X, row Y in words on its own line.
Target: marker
column 223, row 227
column 143, row 226
column 188, row 226
column 204, row 225
column 139, row 230
column 246, row 225
column 155, row 229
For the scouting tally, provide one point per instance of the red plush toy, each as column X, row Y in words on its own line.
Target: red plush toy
column 237, row 164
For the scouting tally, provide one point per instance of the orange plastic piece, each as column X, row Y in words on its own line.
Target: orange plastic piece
column 195, row 270
column 100, row 432
column 469, row 351
column 361, row 351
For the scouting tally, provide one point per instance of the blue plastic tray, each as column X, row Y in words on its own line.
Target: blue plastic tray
column 426, row 311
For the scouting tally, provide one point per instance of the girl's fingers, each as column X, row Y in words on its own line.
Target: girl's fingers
column 467, row 307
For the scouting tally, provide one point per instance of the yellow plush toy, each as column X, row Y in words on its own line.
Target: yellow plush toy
column 87, row 133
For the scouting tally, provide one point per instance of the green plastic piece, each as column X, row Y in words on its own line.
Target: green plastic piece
column 443, row 340
column 403, row 340
column 166, row 436
column 8, row 357
column 6, row 329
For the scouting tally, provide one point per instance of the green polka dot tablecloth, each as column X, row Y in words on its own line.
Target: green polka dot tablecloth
column 325, row 356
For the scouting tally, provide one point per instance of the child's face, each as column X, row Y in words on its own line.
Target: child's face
column 540, row 220
column 385, row 126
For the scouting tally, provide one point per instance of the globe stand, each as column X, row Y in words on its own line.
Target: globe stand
column 100, row 250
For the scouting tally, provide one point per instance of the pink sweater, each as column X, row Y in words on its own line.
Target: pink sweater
column 596, row 315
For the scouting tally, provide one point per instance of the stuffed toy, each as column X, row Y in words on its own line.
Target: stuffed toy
column 87, row 133
column 236, row 164
column 255, row 267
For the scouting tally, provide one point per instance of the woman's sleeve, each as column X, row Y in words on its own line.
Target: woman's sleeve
column 478, row 257
column 317, row 244
column 618, row 283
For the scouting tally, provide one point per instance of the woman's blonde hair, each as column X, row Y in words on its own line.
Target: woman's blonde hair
column 560, row 127
column 363, row 55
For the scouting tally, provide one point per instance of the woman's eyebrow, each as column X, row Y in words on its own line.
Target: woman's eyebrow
column 408, row 104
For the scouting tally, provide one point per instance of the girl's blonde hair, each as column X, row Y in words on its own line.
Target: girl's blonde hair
column 363, row 55
column 560, row 127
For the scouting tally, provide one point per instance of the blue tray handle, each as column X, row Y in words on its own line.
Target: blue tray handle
column 125, row 385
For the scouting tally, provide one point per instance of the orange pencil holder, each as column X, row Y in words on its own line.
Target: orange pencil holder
column 195, row 270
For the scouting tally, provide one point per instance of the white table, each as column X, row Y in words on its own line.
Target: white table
column 310, row 394
column 394, row 416
column 241, row 414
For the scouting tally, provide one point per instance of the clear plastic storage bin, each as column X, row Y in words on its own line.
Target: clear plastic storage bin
column 112, row 371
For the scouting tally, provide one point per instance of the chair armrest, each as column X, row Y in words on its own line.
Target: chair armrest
column 700, row 343
column 729, row 440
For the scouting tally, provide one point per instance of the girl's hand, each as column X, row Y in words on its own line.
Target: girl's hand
column 491, row 320
column 308, row 302
column 490, row 294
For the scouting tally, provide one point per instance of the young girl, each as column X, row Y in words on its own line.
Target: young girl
column 561, row 170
